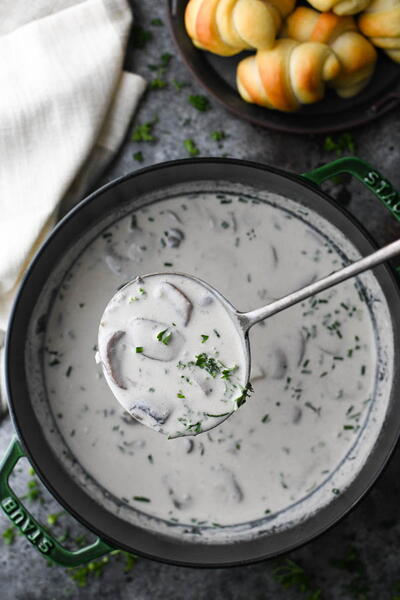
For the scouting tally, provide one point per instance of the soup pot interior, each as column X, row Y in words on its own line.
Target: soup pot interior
column 27, row 390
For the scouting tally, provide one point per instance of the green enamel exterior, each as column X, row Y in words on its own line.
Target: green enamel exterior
column 366, row 174
column 35, row 533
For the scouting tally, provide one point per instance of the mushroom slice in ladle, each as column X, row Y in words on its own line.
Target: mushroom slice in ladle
column 111, row 362
column 180, row 302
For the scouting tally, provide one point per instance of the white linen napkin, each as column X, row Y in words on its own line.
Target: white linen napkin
column 65, row 105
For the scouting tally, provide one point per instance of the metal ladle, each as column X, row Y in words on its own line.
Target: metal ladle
column 245, row 320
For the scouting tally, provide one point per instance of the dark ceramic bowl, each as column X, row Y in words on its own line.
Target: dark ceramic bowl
column 217, row 75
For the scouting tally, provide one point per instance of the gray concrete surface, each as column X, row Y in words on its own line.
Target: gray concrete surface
column 357, row 559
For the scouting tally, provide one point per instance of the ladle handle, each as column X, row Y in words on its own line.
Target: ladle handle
column 372, row 260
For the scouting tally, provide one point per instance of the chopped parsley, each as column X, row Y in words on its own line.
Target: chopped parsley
column 157, row 83
column 266, row 419
column 179, row 85
column 52, row 519
column 218, row 136
column 226, row 373
column 33, row 491
column 166, row 59
column 141, row 499
column 9, row 536
column 204, row 338
column 244, row 395
column 344, row 143
column 180, row 395
column 199, row 102
column 221, row 415
column 191, row 147
column 140, row 36
column 144, row 132
column 196, row 427
column 139, row 349
column 81, row 575
column 358, row 586
column 208, row 363
column 164, row 336
column 291, row 575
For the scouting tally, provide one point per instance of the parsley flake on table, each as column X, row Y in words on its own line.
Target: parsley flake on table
column 179, row 85
column 140, row 36
column 9, row 536
column 138, row 156
column 191, row 147
column 199, row 102
column 344, row 143
column 166, row 59
column 144, row 132
column 157, row 83
column 218, row 136
column 291, row 575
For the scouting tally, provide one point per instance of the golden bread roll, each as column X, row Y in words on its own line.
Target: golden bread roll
column 381, row 23
column 356, row 54
column 227, row 27
column 340, row 7
column 288, row 75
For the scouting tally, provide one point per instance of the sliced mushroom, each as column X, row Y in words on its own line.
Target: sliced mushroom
column 227, row 488
column 146, row 334
column 178, row 299
column 117, row 263
column 257, row 372
column 206, row 299
column 180, row 496
column 111, row 363
column 150, row 412
column 204, row 382
column 276, row 364
column 174, row 215
column 297, row 414
column 174, row 237
column 189, row 445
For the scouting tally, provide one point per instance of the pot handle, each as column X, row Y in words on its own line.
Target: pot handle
column 365, row 173
column 35, row 533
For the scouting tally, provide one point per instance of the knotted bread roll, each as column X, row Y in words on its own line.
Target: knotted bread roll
column 340, row 7
column 288, row 75
column 381, row 23
column 227, row 27
column 356, row 54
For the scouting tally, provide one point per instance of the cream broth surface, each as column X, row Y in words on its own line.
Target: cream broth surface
column 320, row 381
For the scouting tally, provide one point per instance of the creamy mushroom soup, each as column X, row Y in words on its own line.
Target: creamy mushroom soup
column 321, row 370
column 173, row 355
